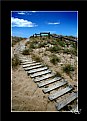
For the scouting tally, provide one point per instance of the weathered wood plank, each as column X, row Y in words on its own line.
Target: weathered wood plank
column 60, row 93
column 37, row 70
column 32, row 64
column 33, row 67
column 22, row 57
column 48, row 81
column 40, row 73
column 29, row 62
column 24, row 60
column 43, row 77
column 66, row 101
column 57, row 85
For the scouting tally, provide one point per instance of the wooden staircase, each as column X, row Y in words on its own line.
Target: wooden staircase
column 45, row 78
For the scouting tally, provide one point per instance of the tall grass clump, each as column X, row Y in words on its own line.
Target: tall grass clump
column 68, row 68
column 15, row 61
column 54, row 59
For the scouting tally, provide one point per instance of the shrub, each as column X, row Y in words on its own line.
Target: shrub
column 54, row 42
column 58, row 74
column 32, row 46
column 15, row 61
column 68, row 68
column 54, row 49
column 73, row 51
column 36, row 58
column 66, row 51
column 54, row 59
column 42, row 44
column 62, row 43
column 70, row 51
column 26, row 52
column 27, row 43
column 16, row 40
column 45, row 54
column 74, row 45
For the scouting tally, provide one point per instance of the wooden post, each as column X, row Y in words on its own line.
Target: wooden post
column 49, row 35
column 61, row 38
column 40, row 36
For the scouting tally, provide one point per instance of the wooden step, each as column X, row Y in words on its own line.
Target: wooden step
column 43, row 77
column 48, row 81
column 32, row 64
column 66, row 101
column 22, row 57
column 60, row 93
column 40, row 73
column 54, row 86
column 24, row 60
column 29, row 62
column 33, row 67
column 37, row 70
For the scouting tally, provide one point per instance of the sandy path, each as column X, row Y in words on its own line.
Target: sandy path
column 26, row 96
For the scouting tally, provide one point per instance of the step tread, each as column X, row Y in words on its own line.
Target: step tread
column 54, row 86
column 24, row 60
column 66, row 101
column 49, row 81
column 33, row 67
column 60, row 93
column 43, row 77
column 37, row 70
column 32, row 64
column 29, row 62
column 40, row 73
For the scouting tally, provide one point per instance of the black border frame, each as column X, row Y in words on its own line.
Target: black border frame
column 6, row 8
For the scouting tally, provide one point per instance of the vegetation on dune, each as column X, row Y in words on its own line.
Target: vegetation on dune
column 54, row 59
column 54, row 49
column 36, row 58
column 26, row 52
column 58, row 74
column 16, row 40
column 70, row 51
column 68, row 68
column 42, row 44
column 15, row 61
column 62, row 43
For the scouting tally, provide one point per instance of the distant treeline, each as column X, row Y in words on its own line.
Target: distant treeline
column 16, row 39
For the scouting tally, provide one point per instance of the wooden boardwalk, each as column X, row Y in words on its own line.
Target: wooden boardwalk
column 60, row 93
column 49, row 81
column 42, row 76
column 66, row 101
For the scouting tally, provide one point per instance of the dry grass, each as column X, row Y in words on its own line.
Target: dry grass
column 15, row 61
column 54, row 59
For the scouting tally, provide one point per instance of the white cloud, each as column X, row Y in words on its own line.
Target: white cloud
column 54, row 23
column 22, row 13
column 16, row 22
column 33, row 11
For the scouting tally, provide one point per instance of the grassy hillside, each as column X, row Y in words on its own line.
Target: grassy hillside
column 61, row 56
column 16, row 39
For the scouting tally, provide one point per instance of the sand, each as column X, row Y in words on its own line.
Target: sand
column 25, row 95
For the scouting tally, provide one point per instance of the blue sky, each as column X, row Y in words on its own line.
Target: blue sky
column 27, row 23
